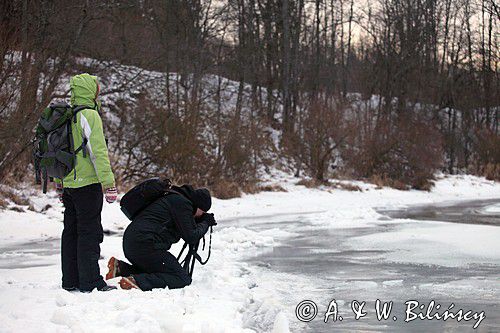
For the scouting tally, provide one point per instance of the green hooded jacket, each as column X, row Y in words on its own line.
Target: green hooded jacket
column 95, row 167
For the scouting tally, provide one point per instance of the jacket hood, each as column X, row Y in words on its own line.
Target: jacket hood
column 187, row 191
column 200, row 198
column 84, row 90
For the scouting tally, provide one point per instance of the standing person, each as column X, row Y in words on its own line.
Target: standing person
column 148, row 238
column 81, row 192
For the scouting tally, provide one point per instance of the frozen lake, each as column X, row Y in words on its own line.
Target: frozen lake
column 346, row 264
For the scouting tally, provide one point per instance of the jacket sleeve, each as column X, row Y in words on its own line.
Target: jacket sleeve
column 96, row 146
column 183, row 217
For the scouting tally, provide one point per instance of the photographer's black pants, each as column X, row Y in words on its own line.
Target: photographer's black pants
column 152, row 268
column 81, row 237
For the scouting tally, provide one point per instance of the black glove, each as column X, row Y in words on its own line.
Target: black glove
column 209, row 218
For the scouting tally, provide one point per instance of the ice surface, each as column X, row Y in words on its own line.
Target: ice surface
column 492, row 209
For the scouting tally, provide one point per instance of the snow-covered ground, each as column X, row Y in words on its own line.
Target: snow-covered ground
column 234, row 292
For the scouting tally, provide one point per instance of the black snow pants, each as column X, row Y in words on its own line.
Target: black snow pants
column 82, row 234
column 152, row 266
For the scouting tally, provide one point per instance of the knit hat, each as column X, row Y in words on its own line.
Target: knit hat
column 202, row 199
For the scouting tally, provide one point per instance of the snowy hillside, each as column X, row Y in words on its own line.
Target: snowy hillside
column 130, row 95
column 232, row 293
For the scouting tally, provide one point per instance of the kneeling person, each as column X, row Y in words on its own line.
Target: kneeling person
column 152, row 232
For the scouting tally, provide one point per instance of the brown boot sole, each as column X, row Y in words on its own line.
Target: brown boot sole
column 128, row 283
column 112, row 266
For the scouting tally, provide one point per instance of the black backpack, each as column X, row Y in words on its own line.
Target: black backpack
column 142, row 195
column 54, row 154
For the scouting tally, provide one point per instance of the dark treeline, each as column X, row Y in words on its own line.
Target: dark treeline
column 389, row 90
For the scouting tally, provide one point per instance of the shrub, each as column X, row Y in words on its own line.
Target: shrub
column 401, row 155
column 491, row 171
column 322, row 132
column 487, row 154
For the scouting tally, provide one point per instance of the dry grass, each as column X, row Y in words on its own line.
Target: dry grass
column 18, row 199
column 272, row 188
column 382, row 181
column 422, row 184
column 8, row 195
column 249, row 188
column 346, row 186
column 224, row 189
column 492, row 171
column 313, row 183
column 3, row 203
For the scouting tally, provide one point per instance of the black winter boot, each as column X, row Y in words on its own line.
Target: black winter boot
column 107, row 288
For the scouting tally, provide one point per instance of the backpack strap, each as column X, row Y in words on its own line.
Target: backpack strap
column 45, row 180
column 78, row 108
column 83, row 146
column 180, row 253
column 36, row 162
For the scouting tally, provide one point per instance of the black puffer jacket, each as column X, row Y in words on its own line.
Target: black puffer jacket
column 157, row 227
